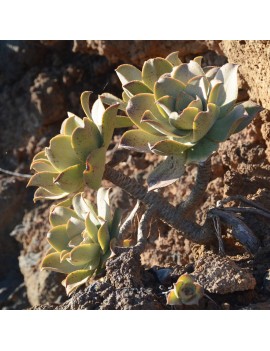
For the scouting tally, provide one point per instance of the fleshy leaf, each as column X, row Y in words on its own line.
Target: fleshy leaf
column 198, row 86
column 138, row 140
column 83, row 206
column 108, row 124
column 110, row 99
column 95, row 165
column 52, row 262
column 252, row 109
column 42, row 193
column 123, row 122
column 172, row 299
column 227, row 74
column 210, row 72
column 71, row 179
column 74, row 227
column 198, row 59
column 227, row 125
column 85, row 139
column 127, row 73
column 187, row 71
column 104, row 237
column 136, row 87
column 97, row 113
column 114, row 226
column 166, row 104
column 167, row 172
column 169, row 147
column 57, row 237
column 60, row 215
column 137, row 107
column 201, row 151
column 70, row 124
column 46, row 181
column 217, row 94
column 185, row 119
column 85, row 103
column 168, row 86
column 84, row 253
column 103, row 204
column 204, row 121
column 91, row 228
column 153, row 69
column 60, row 153
column 76, row 279
column 75, row 241
column 173, row 58
column 40, row 156
column 42, row 166
column 162, row 128
column 182, row 101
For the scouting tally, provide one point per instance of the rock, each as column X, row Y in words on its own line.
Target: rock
column 253, row 56
column 48, row 97
column 126, row 287
column 41, row 286
column 136, row 52
column 221, row 275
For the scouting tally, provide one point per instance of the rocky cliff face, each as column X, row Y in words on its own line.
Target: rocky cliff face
column 41, row 80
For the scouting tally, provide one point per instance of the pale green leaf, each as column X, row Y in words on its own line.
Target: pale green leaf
column 108, row 124
column 127, row 73
column 153, row 69
column 173, row 58
column 110, row 99
column 60, row 215
column 52, row 262
column 85, row 103
column 76, row 279
column 91, row 228
column 85, row 139
column 136, row 87
column 70, row 124
column 60, row 153
column 167, row 172
column 201, row 151
column 138, row 140
column 204, row 121
column 168, row 86
column 95, row 165
column 58, row 238
column 71, row 179
column 104, row 237
column 187, row 71
column 84, row 253
column 170, row 147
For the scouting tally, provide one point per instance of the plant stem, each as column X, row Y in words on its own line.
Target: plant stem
column 164, row 210
column 196, row 196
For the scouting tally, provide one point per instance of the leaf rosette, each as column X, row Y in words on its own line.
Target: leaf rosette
column 80, row 238
column 186, row 291
column 181, row 110
column 76, row 157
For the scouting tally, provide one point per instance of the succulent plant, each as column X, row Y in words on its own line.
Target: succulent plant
column 186, row 291
column 80, row 238
column 182, row 111
column 76, row 156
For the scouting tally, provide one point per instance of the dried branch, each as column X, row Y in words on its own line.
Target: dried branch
column 15, row 174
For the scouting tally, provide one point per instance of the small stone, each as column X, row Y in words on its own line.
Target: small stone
column 221, row 275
